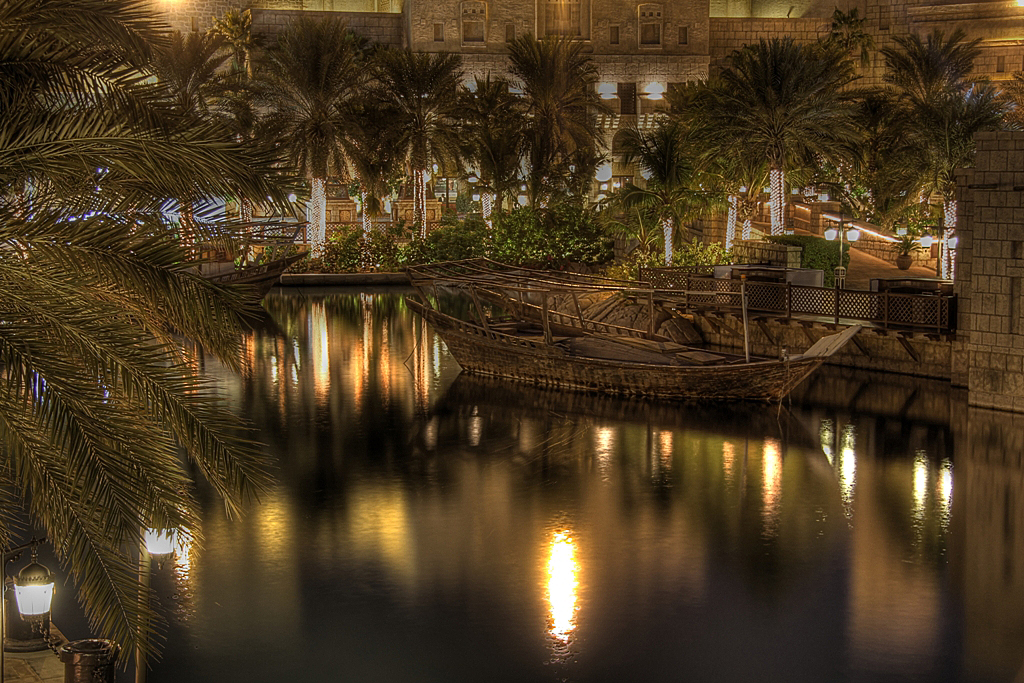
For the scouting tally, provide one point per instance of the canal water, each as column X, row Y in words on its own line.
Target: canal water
column 427, row 526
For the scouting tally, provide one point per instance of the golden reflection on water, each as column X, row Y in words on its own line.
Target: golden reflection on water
column 771, row 475
column 604, row 448
column 320, row 349
column 945, row 492
column 728, row 460
column 563, row 570
column 920, row 484
column 848, row 467
column 665, row 448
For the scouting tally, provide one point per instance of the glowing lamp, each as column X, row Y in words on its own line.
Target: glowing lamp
column 645, row 173
column 953, row 241
column 607, row 91
column 852, row 235
column 161, row 541
column 476, row 197
column 604, row 173
column 473, row 179
column 926, row 241
column 601, row 197
column 743, row 189
column 604, row 186
column 292, row 197
column 901, row 231
column 33, row 590
column 522, row 200
column 654, row 90
column 831, row 234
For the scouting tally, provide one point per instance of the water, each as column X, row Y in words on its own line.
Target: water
column 430, row 527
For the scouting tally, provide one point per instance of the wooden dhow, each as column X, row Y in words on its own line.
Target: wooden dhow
column 545, row 346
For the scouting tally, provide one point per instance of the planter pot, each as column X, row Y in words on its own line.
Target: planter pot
column 903, row 261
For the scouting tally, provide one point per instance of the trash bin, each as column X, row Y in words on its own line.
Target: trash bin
column 89, row 661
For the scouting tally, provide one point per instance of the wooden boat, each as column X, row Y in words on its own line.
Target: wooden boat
column 548, row 347
column 262, row 277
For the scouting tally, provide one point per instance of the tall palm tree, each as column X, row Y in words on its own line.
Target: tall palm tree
column 933, row 76
column 789, row 103
column 189, row 69
column 421, row 92
column 371, row 149
column 673, row 194
column 558, row 82
column 494, row 134
column 99, row 397
column 235, row 27
column 313, row 77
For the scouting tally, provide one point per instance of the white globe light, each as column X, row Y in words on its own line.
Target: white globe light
column 831, row 234
column 472, row 179
column 901, row 231
column 926, row 241
column 161, row 541
column 293, row 197
column 522, row 200
column 33, row 590
column 601, row 197
column 476, row 197
column 852, row 235
column 953, row 241
column 604, row 172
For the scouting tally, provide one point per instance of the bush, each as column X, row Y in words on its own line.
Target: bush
column 696, row 253
column 450, row 241
column 563, row 234
column 817, row 253
column 341, row 255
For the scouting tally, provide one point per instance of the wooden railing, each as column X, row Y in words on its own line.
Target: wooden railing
column 931, row 312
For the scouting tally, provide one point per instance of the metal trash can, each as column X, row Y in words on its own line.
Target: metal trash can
column 92, row 660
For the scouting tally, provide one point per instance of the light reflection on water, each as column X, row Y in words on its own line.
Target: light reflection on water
column 411, row 533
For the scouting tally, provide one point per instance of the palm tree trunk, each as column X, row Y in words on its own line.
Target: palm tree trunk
column 730, row 223
column 946, row 255
column 419, row 200
column 778, row 200
column 666, row 228
column 487, row 206
column 318, row 216
column 364, row 198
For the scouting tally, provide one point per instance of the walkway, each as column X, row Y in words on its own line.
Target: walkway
column 864, row 268
column 33, row 667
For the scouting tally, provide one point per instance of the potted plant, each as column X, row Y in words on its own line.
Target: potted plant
column 906, row 245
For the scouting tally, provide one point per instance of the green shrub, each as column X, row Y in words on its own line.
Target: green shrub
column 450, row 241
column 817, row 253
column 341, row 255
column 565, row 233
column 696, row 253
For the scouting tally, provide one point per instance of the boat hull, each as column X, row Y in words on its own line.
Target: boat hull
column 492, row 353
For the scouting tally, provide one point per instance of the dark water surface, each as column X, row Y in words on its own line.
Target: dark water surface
column 430, row 527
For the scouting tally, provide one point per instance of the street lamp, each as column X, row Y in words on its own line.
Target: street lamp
column 157, row 543
column 851, row 235
column 33, row 593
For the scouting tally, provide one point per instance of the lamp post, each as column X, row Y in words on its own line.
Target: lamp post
column 157, row 543
column 851, row 235
column 33, row 593
column 926, row 242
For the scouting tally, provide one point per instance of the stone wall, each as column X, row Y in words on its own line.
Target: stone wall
column 990, row 273
column 379, row 27
column 727, row 35
column 751, row 251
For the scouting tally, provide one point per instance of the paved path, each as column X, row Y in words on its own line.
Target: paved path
column 864, row 267
column 33, row 667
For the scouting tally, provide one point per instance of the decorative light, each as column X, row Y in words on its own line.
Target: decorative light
column 522, row 200
column 604, row 186
column 901, row 231
column 292, row 197
column 476, row 197
column 926, row 241
column 654, row 90
column 823, row 197
column 161, row 541
column 743, row 189
column 852, row 235
column 604, row 172
column 831, row 234
column 607, row 91
column 601, row 197
column 33, row 589
column 953, row 241
column 645, row 173
column 473, row 179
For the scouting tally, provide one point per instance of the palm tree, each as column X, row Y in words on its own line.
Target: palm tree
column 99, row 397
column 848, row 35
column 788, row 103
column 673, row 192
column 313, row 77
column 371, row 151
column 421, row 92
column 188, row 67
column 235, row 27
column 494, row 131
column 933, row 78
column 558, row 83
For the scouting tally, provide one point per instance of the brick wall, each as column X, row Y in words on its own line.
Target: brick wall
column 728, row 34
column 379, row 27
column 990, row 273
column 784, row 255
